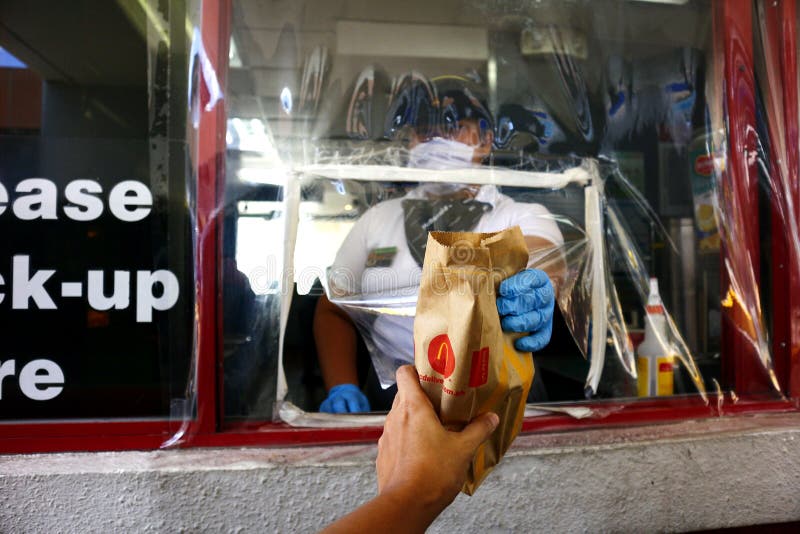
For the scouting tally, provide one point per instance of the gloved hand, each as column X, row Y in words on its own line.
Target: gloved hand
column 345, row 398
column 526, row 304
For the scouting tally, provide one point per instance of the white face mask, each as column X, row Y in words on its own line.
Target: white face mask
column 441, row 154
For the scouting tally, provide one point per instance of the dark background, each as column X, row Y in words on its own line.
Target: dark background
column 85, row 109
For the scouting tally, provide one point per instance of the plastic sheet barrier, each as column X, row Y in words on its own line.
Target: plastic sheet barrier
column 614, row 157
column 258, row 191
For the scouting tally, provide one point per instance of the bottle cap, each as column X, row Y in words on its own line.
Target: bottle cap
column 654, row 304
column 653, row 286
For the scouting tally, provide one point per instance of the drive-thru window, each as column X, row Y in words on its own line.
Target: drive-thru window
column 212, row 211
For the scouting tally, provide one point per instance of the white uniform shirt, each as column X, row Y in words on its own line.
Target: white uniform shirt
column 382, row 227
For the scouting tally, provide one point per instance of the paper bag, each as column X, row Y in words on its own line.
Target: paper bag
column 467, row 365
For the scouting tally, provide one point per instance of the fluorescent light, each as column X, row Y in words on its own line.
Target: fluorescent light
column 286, row 100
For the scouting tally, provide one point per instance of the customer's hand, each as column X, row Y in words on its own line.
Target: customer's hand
column 419, row 461
column 421, row 465
column 525, row 303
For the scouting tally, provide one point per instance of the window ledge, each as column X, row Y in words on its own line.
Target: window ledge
column 710, row 473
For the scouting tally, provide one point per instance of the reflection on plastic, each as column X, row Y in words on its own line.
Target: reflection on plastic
column 586, row 294
column 197, row 55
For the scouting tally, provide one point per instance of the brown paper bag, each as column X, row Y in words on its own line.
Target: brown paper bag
column 467, row 365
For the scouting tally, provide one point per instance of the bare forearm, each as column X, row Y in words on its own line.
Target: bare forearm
column 421, row 466
column 388, row 513
column 335, row 337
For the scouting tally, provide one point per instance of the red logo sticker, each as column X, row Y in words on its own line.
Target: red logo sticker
column 479, row 372
column 704, row 165
column 441, row 356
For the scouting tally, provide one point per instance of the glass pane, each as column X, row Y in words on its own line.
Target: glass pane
column 347, row 107
column 96, row 258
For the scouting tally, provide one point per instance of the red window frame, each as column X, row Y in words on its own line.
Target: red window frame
column 732, row 27
column 780, row 33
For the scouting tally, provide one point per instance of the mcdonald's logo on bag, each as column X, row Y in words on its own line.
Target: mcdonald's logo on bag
column 479, row 372
column 441, row 356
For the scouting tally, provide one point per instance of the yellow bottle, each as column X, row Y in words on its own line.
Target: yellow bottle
column 654, row 358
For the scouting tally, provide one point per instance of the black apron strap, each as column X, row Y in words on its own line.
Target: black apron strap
column 421, row 216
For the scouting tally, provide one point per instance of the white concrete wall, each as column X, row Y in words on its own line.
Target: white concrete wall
column 692, row 475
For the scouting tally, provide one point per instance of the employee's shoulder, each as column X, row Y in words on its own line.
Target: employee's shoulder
column 387, row 208
column 506, row 204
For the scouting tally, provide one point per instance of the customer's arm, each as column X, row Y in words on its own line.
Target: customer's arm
column 421, row 465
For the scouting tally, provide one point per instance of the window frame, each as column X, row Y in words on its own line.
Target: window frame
column 732, row 30
column 780, row 32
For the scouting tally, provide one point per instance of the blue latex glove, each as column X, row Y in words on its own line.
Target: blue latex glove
column 345, row 398
column 526, row 304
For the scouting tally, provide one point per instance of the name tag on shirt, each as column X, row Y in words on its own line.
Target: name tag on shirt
column 381, row 257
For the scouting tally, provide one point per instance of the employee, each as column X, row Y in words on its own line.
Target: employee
column 445, row 125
